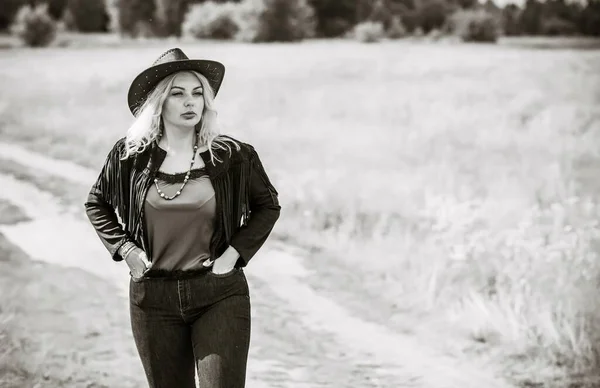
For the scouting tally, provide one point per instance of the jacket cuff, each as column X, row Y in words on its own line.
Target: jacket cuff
column 245, row 254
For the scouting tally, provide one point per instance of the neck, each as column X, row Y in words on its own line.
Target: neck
column 177, row 140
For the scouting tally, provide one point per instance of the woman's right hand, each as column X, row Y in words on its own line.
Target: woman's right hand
column 138, row 262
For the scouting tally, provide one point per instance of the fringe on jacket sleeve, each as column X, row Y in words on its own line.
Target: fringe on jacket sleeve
column 257, row 208
column 105, row 206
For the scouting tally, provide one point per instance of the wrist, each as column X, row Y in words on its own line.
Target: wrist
column 126, row 248
column 228, row 259
column 231, row 255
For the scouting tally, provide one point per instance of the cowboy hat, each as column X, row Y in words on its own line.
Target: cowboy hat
column 169, row 62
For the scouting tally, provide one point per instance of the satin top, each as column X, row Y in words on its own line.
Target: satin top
column 180, row 230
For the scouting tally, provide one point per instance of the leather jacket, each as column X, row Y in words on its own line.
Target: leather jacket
column 247, row 203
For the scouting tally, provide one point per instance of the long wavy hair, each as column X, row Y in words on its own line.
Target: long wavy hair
column 148, row 123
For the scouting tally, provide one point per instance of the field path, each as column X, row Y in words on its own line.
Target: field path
column 299, row 338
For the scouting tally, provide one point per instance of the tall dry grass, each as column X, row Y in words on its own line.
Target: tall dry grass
column 459, row 178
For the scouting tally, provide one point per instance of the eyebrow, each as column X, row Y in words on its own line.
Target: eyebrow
column 179, row 87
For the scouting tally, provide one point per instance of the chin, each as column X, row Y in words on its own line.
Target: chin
column 189, row 123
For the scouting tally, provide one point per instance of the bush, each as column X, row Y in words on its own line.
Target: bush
column 435, row 35
column 112, row 9
column 431, row 14
column 368, row 32
column 510, row 20
column 380, row 13
column 135, row 17
column 590, row 18
column 557, row 26
column 68, row 21
column 34, row 26
column 335, row 26
column 474, row 26
column 383, row 12
column 56, row 8
column 88, row 15
column 8, row 10
column 410, row 20
column 334, row 17
column 275, row 20
column 396, row 29
column 170, row 15
column 248, row 19
column 211, row 20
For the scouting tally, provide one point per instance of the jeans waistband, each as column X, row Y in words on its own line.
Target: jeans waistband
column 177, row 274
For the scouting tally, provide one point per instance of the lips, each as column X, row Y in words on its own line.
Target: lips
column 189, row 115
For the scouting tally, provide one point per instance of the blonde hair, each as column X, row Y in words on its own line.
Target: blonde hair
column 147, row 125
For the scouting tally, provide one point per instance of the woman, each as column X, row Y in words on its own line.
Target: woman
column 186, row 209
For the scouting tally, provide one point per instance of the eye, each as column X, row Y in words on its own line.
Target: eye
column 197, row 93
column 177, row 94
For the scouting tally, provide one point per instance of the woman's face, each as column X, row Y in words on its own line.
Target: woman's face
column 185, row 101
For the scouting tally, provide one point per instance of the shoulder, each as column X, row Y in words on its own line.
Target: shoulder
column 119, row 150
column 240, row 150
column 118, row 147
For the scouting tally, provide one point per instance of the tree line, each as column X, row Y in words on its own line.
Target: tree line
column 327, row 18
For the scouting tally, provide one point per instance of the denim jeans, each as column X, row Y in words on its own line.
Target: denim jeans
column 200, row 320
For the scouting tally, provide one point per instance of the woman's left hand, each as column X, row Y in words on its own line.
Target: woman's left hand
column 220, row 269
column 226, row 261
column 223, row 265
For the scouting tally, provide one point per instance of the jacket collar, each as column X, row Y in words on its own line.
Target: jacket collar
column 152, row 158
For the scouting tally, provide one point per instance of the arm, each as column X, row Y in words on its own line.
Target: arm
column 102, row 201
column 264, row 212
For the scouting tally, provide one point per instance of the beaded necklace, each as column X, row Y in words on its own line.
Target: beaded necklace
column 187, row 175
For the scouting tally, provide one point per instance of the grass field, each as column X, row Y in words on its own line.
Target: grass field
column 459, row 178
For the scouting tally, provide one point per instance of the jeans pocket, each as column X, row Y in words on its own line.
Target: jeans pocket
column 223, row 275
column 137, row 280
column 137, row 291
